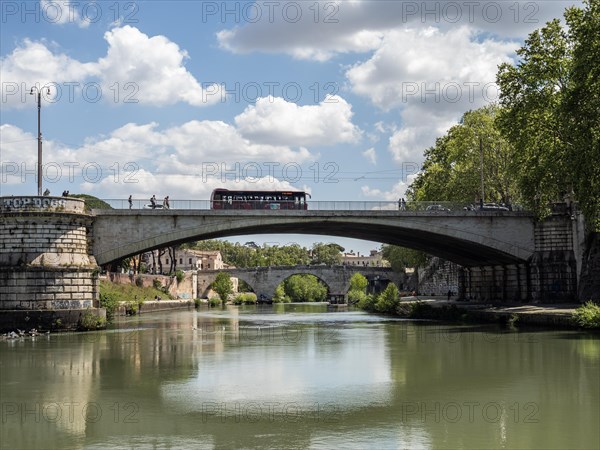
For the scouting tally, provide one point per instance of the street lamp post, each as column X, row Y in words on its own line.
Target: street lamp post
column 39, row 115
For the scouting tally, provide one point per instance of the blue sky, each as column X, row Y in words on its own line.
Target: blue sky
column 338, row 98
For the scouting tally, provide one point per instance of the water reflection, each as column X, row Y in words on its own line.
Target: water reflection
column 296, row 376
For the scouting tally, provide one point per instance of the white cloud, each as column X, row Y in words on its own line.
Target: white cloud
column 155, row 64
column 188, row 160
column 33, row 64
column 278, row 122
column 370, row 155
column 397, row 191
column 66, row 12
column 432, row 77
column 144, row 69
column 327, row 28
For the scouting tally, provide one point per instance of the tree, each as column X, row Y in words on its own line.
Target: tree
column 580, row 110
column 222, row 286
column 388, row 300
column 280, row 296
column 452, row 168
column 551, row 111
column 358, row 282
column 328, row 254
column 305, row 288
column 358, row 288
column 401, row 258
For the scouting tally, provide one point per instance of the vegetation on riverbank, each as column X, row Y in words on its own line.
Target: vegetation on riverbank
column 588, row 315
column 113, row 294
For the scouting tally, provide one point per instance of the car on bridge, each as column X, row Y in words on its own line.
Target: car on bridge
column 493, row 207
column 437, row 208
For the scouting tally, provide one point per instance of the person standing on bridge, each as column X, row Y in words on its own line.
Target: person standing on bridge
column 130, row 200
column 166, row 202
column 153, row 201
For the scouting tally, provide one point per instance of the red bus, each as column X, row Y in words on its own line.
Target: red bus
column 226, row 199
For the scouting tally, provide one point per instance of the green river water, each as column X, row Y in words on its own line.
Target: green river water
column 300, row 377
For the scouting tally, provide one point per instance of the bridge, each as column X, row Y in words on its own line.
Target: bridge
column 465, row 237
column 50, row 247
column 264, row 280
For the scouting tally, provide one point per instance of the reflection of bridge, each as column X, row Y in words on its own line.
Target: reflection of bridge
column 264, row 280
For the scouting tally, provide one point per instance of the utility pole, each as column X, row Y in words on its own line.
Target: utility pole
column 481, row 168
column 39, row 138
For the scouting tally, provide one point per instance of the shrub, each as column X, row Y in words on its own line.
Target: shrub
column 367, row 302
column 356, row 296
column 245, row 298
column 214, row 302
column 179, row 275
column 223, row 286
column 197, row 303
column 388, row 300
column 90, row 321
column 280, row 296
column 110, row 302
column 248, row 298
column 588, row 315
column 131, row 308
column 139, row 281
column 157, row 284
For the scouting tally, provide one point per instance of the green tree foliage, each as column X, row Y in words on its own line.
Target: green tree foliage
column 452, row 167
column 92, row 202
column 581, row 109
column 328, row 254
column 223, row 286
column 551, row 111
column 280, row 296
column 249, row 256
column 388, row 300
column 358, row 288
column 367, row 302
column 358, row 282
column 305, row 288
column 109, row 301
column 401, row 258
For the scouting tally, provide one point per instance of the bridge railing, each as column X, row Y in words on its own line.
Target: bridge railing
column 334, row 205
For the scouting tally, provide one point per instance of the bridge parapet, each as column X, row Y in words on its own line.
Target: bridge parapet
column 42, row 204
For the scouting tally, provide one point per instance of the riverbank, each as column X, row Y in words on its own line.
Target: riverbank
column 550, row 315
column 152, row 306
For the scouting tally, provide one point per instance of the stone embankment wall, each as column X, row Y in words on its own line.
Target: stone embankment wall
column 553, row 267
column 589, row 288
column 186, row 289
column 45, row 262
column 439, row 277
column 549, row 276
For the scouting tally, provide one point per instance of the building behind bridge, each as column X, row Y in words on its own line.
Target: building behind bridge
column 187, row 259
column 374, row 259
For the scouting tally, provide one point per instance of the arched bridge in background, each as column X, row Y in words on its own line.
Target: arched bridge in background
column 264, row 280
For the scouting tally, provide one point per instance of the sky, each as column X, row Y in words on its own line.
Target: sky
column 336, row 98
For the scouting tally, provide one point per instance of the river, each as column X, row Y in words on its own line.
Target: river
column 299, row 377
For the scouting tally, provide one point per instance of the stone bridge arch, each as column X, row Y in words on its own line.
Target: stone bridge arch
column 264, row 280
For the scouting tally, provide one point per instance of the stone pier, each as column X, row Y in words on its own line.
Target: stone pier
column 550, row 275
column 48, row 276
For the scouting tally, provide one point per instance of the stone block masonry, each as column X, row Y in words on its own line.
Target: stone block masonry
column 45, row 259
